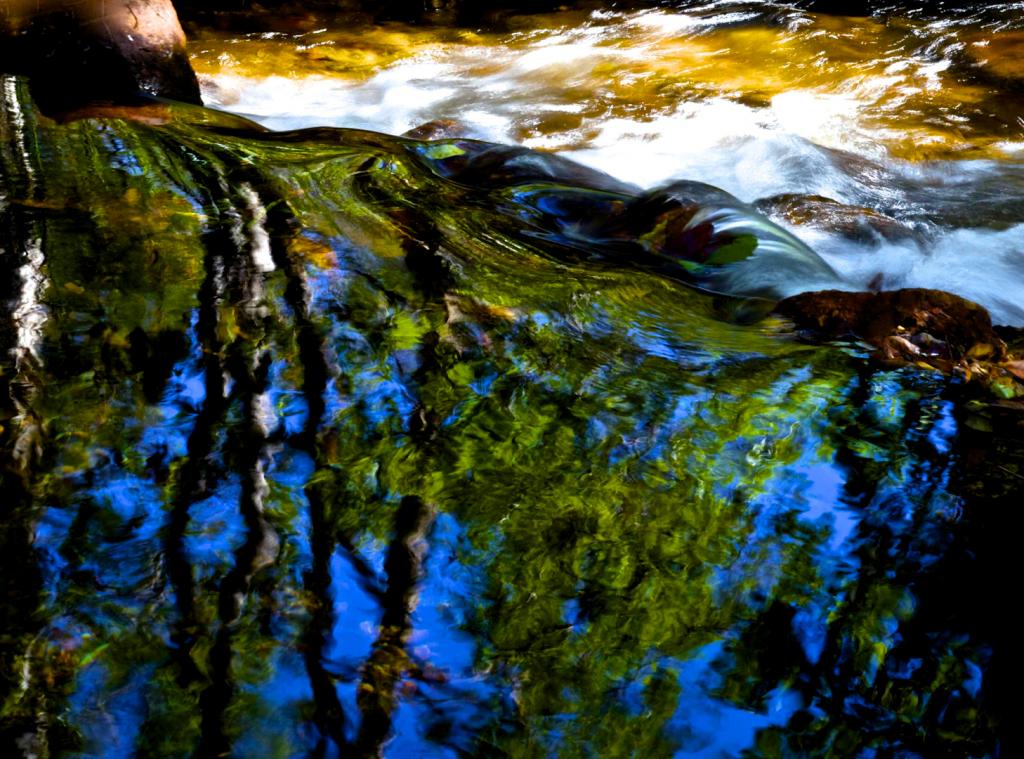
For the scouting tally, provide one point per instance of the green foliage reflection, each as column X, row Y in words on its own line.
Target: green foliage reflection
column 308, row 444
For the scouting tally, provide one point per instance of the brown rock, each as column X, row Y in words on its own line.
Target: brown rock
column 76, row 51
column 914, row 325
column 926, row 328
column 853, row 222
column 438, row 129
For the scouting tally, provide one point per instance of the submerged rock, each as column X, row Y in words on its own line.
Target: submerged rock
column 724, row 245
column 489, row 165
column 689, row 231
column 998, row 53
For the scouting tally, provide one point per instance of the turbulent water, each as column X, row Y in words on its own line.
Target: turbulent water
column 328, row 442
column 912, row 116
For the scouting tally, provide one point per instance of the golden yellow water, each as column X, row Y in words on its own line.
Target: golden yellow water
column 913, row 90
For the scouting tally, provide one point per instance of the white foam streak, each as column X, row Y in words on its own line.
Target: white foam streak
column 986, row 266
column 671, row 24
column 18, row 121
column 719, row 142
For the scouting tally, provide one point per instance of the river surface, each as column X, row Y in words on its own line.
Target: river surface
column 336, row 443
column 916, row 118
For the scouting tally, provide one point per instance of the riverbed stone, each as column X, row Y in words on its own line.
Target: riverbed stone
column 857, row 223
column 439, row 129
column 998, row 53
column 913, row 325
column 924, row 328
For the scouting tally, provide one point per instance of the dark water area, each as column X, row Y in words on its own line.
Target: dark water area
column 325, row 442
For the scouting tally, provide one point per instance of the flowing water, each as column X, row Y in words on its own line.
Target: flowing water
column 330, row 442
column 917, row 119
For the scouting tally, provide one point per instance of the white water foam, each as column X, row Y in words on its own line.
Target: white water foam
column 986, row 266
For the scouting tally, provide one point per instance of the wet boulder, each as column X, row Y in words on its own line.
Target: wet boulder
column 439, row 129
column 919, row 327
column 914, row 324
column 857, row 223
column 77, row 51
column 488, row 165
column 724, row 245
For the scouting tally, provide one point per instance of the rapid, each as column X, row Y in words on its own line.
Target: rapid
column 913, row 120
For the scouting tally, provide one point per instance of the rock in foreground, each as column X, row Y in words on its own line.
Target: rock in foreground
column 928, row 328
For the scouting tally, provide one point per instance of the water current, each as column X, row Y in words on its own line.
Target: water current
column 330, row 442
column 914, row 117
